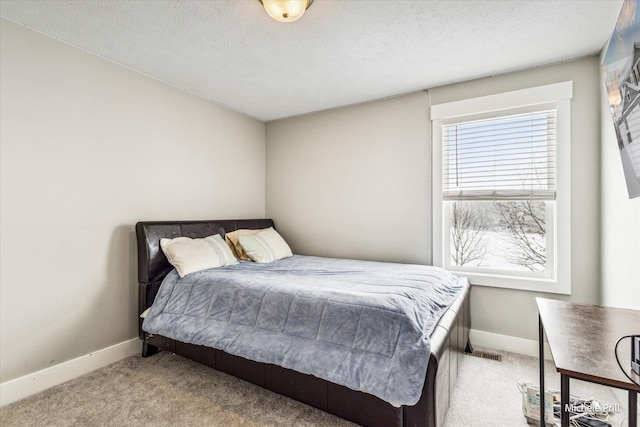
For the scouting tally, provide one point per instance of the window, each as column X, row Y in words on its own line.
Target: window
column 499, row 194
column 501, row 181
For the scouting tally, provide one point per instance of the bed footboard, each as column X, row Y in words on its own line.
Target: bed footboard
column 448, row 342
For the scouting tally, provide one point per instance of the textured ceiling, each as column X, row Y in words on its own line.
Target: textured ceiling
column 341, row 52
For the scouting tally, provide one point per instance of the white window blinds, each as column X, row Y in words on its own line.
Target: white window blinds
column 503, row 158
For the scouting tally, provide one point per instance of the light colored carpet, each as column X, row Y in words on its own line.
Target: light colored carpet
column 486, row 394
column 168, row 390
column 162, row 390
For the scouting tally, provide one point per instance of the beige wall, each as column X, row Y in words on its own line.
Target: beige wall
column 352, row 182
column 87, row 149
column 620, row 224
column 355, row 182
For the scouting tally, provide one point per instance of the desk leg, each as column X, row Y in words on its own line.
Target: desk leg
column 564, row 400
column 541, row 358
column 633, row 409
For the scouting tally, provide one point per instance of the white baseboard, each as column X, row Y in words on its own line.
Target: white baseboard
column 19, row 388
column 507, row 343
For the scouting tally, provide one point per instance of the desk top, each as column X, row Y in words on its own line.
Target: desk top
column 582, row 338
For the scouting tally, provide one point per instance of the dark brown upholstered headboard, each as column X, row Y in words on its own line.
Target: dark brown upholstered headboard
column 153, row 265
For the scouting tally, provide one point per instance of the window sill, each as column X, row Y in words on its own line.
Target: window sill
column 518, row 283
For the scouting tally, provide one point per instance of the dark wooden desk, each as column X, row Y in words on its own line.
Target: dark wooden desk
column 582, row 339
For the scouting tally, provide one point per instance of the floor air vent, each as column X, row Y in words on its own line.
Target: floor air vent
column 486, row 355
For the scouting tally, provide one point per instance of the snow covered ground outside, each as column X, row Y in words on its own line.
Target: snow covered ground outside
column 500, row 248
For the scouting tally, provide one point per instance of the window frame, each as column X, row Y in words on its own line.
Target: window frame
column 555, row 96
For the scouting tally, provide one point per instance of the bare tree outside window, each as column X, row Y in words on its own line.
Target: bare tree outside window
column 467, row 234
column 525, row 221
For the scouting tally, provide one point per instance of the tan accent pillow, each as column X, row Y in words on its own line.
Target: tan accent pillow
column 190, row 255
column 234, row 244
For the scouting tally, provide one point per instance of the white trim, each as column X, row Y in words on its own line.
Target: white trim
column 21, row 387
column 503, row 101
column 507, row 343
column 557, row 96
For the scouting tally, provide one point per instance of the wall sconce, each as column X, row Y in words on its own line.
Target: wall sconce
column 286, row 10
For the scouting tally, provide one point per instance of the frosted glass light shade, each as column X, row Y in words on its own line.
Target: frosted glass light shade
column 286, row 10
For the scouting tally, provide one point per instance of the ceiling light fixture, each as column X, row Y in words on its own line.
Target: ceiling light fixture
column 286, row 10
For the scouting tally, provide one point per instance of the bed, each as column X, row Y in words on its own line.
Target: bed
column 448, row 340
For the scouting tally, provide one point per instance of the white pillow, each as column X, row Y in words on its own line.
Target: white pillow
column 190, row 255
column 265, row 246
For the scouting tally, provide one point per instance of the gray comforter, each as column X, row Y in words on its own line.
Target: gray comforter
column 361, row 324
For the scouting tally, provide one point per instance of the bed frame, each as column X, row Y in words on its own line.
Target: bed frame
column 448, row 342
